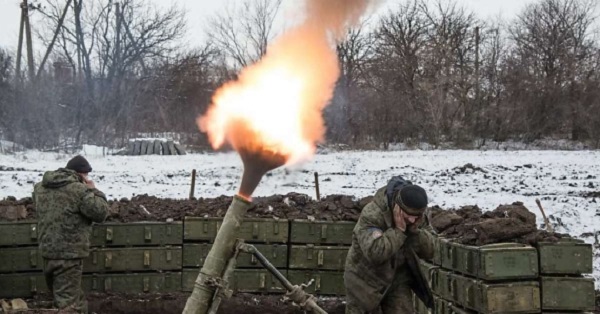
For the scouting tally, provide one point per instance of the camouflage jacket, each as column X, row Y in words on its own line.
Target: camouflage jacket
column 66, row 209
column 378, row 256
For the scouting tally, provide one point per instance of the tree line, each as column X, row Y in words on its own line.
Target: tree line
column 426, row 71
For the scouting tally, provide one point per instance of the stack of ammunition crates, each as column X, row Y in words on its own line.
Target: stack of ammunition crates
column 132, row 257
column 270, row 236
column 318, row 252
column 509, row 278
column 165, row 257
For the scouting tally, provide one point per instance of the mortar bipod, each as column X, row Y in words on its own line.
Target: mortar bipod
column 294, row 292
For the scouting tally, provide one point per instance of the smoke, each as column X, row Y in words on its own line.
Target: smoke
column 275, row 106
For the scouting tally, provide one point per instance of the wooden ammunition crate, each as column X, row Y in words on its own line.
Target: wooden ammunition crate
column 318, row 257
column 194, row 255
column 565, row 258
column 321, row 232
column 252, row 230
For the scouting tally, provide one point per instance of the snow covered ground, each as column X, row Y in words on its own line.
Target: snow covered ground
column 557, row 178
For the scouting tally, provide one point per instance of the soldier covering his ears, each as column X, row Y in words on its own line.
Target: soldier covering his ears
column 67, row 203
column 381, row 266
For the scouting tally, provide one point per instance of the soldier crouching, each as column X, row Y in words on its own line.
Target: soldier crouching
column 67, row 203
column 381, row 267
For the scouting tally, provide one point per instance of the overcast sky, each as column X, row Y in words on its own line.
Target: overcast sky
column 199, row 10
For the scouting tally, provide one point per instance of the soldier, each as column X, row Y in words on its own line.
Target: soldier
column 67, row 203
column 381, row 266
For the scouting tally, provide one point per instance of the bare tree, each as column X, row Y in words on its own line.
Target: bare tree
column 551, row 58
column 244, row 32
column 347, row 107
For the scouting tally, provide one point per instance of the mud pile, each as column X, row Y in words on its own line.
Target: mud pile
column 468, row 224
column 151, row 208
column 507, row 223
column 12, row 209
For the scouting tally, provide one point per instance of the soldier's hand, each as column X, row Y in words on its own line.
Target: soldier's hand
column 90, row 183
column 399, row 219
column 414, row 227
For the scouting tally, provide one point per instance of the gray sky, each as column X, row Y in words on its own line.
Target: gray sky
column 199, row 10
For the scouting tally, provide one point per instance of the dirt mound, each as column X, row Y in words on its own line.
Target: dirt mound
column 507, row 223
column 151, row 208
column 12, row 209
column 175, row 302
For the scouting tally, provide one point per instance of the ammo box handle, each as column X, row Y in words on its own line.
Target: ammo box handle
column 255, row 230
column 320, row 258
column 109, row 234
column 469, row 267
column 147, row 234
column 33, row 231
column 146, row 258
column 453, row 257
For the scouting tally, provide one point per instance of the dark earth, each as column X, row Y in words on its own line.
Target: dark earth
column 175, row 302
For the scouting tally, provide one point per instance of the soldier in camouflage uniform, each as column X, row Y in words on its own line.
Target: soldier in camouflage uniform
column 67, row 203
column 381, row 268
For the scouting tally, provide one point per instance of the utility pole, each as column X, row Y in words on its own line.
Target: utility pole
column 20, row 46
column 31, row 70
column 25, row 25
column 477, row 88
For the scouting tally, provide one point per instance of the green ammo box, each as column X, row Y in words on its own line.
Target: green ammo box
column 324, row 282
column 133, row 259
column 133, row 283
column 437, row 251
column 318, row 257
column 243, row 280
column 568, row 293
column 442, row 284
column 488, row 298
column 429, row 272
column 18, row 233
column 565, row 258
column 504, row 261
column 137, row 234
column 420, row 307
column 255, row 280
column 445, row 253
column 194, row 255
column 252, row 230
column 22, row 285
column 20, row 259
column 321, row 232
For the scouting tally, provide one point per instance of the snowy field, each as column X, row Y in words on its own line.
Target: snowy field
column 560, row 179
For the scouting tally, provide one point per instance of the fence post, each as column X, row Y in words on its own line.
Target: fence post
column 193, row 187
column 317, row 186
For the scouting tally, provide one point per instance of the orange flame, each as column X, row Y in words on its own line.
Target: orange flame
column 275, row 105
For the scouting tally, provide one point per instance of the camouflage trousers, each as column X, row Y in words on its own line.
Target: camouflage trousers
column 63, row 278
column 398, row 300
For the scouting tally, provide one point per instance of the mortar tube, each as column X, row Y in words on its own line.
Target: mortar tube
column 221, row 252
